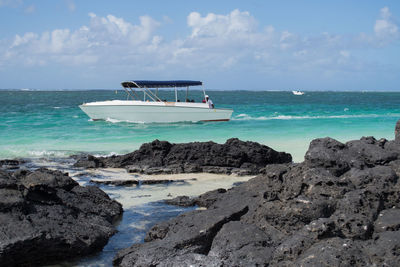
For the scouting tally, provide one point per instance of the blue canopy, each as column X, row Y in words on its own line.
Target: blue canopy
column 159, row 84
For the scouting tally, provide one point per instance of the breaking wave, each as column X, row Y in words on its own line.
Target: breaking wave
column 49, row 153
column 22, row 153
column 245, row 117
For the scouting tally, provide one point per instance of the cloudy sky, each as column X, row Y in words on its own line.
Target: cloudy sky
column 249, row 45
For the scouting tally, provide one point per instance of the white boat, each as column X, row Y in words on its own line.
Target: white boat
column 298, row 92
column 152, row 108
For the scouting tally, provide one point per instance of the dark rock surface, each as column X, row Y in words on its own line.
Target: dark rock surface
column 182, row 201
column 9, row 164
column 340, row 207
column 45, row 216
column 204, row 200
column 235, row 156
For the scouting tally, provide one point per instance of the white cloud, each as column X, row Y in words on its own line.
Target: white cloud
column 385, row 28
column 215, row 42
column 104, row 37
column 212, row 25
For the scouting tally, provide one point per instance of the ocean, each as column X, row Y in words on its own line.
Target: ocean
column 46, row 127
column 36, row 124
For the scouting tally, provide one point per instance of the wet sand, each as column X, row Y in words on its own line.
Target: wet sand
column 189, row 184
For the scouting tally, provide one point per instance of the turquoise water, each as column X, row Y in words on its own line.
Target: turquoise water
column 50, row 123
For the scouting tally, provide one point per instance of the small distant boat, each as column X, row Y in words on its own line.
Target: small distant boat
column 148, row 107
column 298, row 92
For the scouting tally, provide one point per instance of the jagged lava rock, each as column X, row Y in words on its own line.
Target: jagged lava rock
column 45, row 216
column 338, row 158
column 334, row 252
column 163, row 157
column 340, row 207
column 388, row 220
column 238, row 243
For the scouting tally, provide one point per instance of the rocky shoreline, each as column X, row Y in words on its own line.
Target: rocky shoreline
column 47, row 217
column 340, row 207
column 162, row 157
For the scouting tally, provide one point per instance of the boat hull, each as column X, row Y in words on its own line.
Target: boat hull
column 158, row 114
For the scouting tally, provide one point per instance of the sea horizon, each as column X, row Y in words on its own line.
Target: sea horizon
column 211, row 89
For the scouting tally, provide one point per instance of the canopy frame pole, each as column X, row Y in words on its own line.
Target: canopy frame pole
column 134, row 92
column 176, row 95
column 204, row 92
column 146, row 92
column 129, row 93
column 154, row 95
column 187, row 94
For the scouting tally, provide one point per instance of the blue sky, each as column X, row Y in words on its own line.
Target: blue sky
column 248, row 45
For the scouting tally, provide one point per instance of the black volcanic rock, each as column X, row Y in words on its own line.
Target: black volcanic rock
column 334, row 252
column 204, row 200
column 45, row 217
column 340, row 207
column 383, row 249
column 338, row 158
column 329, row 154
column 235, row 156
column 388, row 220
column 182, row 201
column 9, row 164
column 238, row 243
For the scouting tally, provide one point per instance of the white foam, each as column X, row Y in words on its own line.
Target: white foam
column 245, row 117
column 119, row 121
column 242, row 115
column 106, row 154
column 47, row 153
